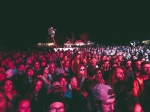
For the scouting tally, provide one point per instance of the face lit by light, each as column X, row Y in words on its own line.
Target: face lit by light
column 46, row 70
column 67, row 64
column 74, row 82
column 65, row 58
column 82, row 70
column 93, row 61
column 120, row 74
column 146, row 68
column 57, row 107
column 21, row 68
column 30, row 72
column 138, row 108
column 24, row 106
column 8, row 86
column 38, row 86
column 63, row 81
column 138, row 65
column 99, row 74
column 37, row 65
column 108, row 105
column 2, row 76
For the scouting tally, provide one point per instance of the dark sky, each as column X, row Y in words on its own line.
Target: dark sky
column 28, row 22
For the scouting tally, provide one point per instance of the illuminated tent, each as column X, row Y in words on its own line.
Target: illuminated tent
column 79, row 43
column 68, row 44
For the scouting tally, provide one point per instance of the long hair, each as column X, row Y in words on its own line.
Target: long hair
column 7, row 106
column 112, row 77
column 78, row 71
column 88, row 84
column 3, row 71
column 78, row 75
column 30, row 92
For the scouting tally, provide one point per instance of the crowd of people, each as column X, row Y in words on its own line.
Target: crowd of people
column 100, row 79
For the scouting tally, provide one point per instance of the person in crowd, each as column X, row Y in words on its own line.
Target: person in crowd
column 118, row 81
column 129, row 70
column 37, row 95
column 84, row 61
column 92, row 66
column 74, row 83
column 65, row 58
column 59, row 68
column 43, row 65
column 55, row 103
column 103, row 58
column 5, row 105
column 7, row 87
column 133, row 106
column 104, row 98
column 61, row 56
column 12, row 69
column 17, row 62
column 64, row 82
column 114, row 61
column 26, row 81
column 62, row 79
column 17, row 77
column 97, row 74
column 23, row 105
column 51, row 59
column 4, row 64
column 3, row 75
column 75, row 62
column 52, row 67
column 43, row 59
column 105, row 69
column 133, row 57
column 37, row 69
column 81, row 74
column 57, row 88
column 29, row 62
column 47, row 78
column 67, row 69
column 85, row 98
column 120, row 59
column 137, row 67
column 141, row 84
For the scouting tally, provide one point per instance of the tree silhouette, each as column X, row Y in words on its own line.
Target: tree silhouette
column 73, row 37
column 84, row 37
column 60, row 39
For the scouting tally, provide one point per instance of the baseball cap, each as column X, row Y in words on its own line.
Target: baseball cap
column 103, row 92
column 57, row 85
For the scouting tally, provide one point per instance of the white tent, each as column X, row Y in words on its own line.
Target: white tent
column 79, row 43
column 68, row 44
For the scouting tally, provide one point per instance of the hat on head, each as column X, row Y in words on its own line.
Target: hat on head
column 57, row 85
column 103, row 92
column 54, row 97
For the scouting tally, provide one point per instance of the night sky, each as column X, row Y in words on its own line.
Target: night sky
column 106, row 22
